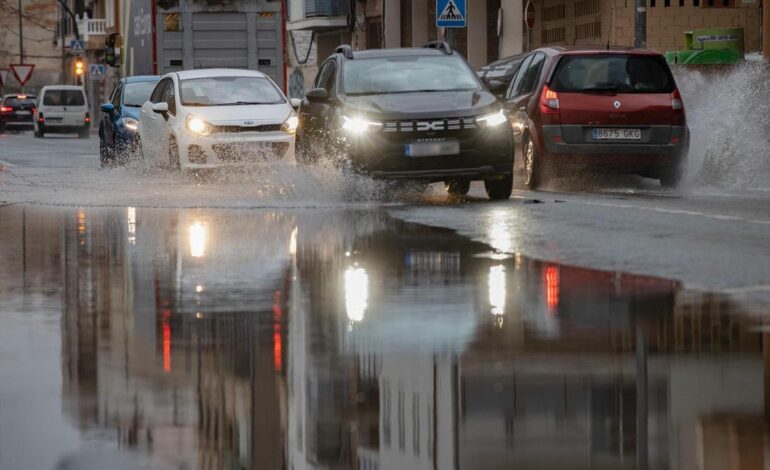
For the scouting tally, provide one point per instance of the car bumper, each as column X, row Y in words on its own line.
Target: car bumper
column 17, row 122
column 484, row 154
column 658, row 141
column 234, row 149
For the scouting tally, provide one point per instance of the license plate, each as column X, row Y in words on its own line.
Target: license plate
column 432, row 148
column 23, row 113
column 617, row 134
column 53, row 119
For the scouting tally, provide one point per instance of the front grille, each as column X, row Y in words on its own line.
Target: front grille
column 428, row 125
column 262, row 128
column 250, row 152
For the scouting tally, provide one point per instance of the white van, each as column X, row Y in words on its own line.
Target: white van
column 62, row 109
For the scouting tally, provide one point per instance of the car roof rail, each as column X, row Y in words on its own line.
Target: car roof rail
column 443, row 46
column 345, row 50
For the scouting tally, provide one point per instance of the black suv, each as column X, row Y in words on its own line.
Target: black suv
column 412, row 113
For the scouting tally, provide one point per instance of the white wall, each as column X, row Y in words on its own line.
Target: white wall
column 477, row 33
column 512, row 39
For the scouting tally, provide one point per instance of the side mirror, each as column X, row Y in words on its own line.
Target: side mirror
column 318, row 95
column 295, row 102
column 108, row 108
column 160, row 108
column 497, row 87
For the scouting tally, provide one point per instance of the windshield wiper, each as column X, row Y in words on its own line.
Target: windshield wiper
column 195, row 103
column 239, row 103
column 600, row 89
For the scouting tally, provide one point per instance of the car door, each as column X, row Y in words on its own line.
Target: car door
column 52, row 106
column 169, row 120
column 151, row 122
column 110, row 120
column 519, row 102
column 313, row 115
column 75, row 106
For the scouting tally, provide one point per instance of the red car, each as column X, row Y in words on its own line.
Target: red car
column 599, row 109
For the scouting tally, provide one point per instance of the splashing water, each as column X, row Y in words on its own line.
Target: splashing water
column 728, row 112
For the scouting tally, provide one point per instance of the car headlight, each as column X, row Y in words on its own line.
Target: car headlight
column 198, row 125
column 357, row 125
column 130, row 123
column 290, row 124
column 492, row 120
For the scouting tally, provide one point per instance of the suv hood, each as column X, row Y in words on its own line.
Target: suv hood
column 235, row 115
column 423, row 104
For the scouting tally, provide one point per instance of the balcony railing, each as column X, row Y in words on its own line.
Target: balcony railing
column 316, row 8
column 91, row 27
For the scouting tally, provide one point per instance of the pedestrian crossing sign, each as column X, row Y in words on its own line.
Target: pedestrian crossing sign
column 451, row 13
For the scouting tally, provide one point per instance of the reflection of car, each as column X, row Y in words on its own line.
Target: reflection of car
column 413, row 113
column 207, row 118
column 120, row 117
column 498, row 74
column 62, row 109
column 16, row 112
column 615, row 109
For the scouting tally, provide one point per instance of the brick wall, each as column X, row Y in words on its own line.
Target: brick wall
column 583, row 22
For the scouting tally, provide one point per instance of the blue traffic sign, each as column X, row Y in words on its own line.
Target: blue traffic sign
column 96, row 71
column 451, row 13
column 76, row 45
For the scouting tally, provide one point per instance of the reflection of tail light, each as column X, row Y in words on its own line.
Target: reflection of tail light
column 552, row 287
column 166, row 328
column 277, row 340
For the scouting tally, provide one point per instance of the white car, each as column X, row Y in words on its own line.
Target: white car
column 209, row 118
column 62, row 109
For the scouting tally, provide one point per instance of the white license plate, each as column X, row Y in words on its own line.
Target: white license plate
column 432, row 148
column 617, row 134
column 23, row 113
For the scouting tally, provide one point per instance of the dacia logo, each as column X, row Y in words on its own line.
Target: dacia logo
column 248, row 123
column 430, row 125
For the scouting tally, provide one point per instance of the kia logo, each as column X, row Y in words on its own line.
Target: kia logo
column 248, row 123
column 616, row 104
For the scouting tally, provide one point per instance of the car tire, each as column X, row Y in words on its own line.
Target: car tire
column 2, row 128
column 105, row 159
column 672, row 178
column 173, row 155
column 533, row 172
column 499, row 189
column 84, row 133
column 40, row 133
column 457, row 187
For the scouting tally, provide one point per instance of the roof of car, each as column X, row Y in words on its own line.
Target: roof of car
column 204, row 73
column 142, row 78
column 578, row 50
column 16, row 95
column 62, row 87
column 396, row 52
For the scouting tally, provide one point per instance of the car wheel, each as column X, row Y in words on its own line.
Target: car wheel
column 302, row 154
column 84, row 133
column 173, row 154
column 532, row 165
column 2, row 128
column 458, row 187
column 105, row 159
column 499, row 189
column 40, row 133
column 672, row 178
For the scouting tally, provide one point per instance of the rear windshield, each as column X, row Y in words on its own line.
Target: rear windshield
column 64, row 98
column 613, row 73
column 13, row 101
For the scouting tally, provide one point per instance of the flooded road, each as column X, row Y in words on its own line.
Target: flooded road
column 347, row 338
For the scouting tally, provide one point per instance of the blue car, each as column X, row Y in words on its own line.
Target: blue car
column 120, row 118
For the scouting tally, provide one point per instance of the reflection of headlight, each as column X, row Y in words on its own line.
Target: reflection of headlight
column 356, row 293
column 497, row 289
column 130, row 123
column 357, row 125
column 492, row 120
column 291, row 124
column 197, row 240
column 198, row 125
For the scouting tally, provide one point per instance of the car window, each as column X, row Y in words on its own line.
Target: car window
column 326, row 77
column 64, row 98
column 157, row 93
column 515, row 84
column 168, row 97
column 116, row 95
column 625, row 73
column 532, row 74
column 408, row 74
column 135, row 94
column 15, row 101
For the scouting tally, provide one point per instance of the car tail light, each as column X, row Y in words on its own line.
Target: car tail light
column 87, row 118
column 5, row 109
column 549, row 101
column 676, row 101
column 40, row 118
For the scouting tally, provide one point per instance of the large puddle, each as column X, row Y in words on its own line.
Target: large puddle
column 291, row 339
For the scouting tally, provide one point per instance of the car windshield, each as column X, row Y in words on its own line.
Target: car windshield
column 229, row 91
column 613, row 73
column 14, row 101
column 64, row 98
column 138, row 93
column 407, row 75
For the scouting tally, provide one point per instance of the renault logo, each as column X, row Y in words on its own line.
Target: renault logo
column 616, row 104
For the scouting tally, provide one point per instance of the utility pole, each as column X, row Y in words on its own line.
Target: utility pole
column 21, row 38
column 62, row 20
column 766, row 29
column 640, row 25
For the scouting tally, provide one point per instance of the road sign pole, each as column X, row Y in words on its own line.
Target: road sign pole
column 640, row 29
